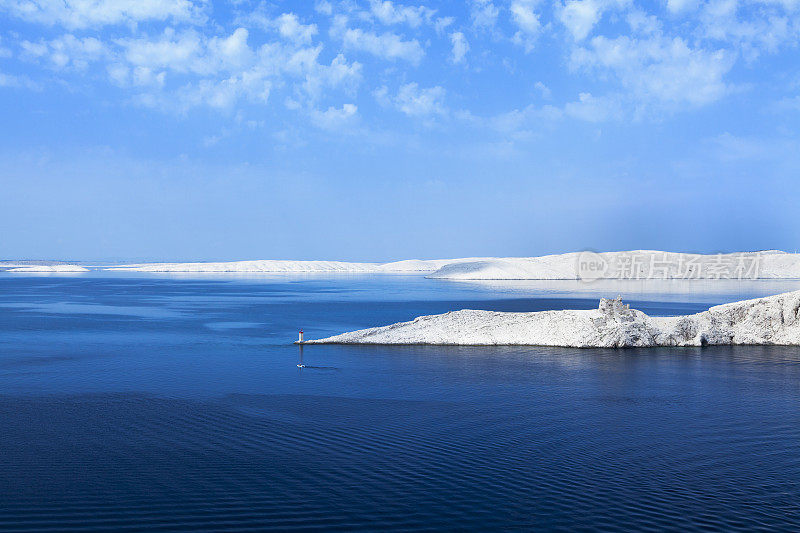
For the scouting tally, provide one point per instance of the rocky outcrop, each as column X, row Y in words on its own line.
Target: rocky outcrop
column 770, row 320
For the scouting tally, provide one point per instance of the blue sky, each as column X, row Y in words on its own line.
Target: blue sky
column 378, row 130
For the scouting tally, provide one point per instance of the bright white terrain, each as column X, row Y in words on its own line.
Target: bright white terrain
column 409, row 265
column 49, row 268
column 634, row 264
column 770, row 320
column 630, row 265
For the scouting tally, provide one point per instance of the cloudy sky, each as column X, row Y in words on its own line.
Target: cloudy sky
column 376, row 130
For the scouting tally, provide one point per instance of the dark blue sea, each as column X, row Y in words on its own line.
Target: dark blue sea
column 132, row 402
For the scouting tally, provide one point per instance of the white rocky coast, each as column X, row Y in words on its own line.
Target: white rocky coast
column 771, row 320
column 48, row 269
column 627, row 265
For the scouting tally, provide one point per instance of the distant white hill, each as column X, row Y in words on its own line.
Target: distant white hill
column 409, row 265
column 251, row 266
column 49, row 268
column 772, row 320
column 630, row 265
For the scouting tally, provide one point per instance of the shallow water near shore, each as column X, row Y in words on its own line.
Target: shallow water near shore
column 174, row 402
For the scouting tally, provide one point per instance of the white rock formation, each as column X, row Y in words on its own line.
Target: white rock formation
column 631, row 265
column 770, row 320
column 279, row 266
column 49, row 268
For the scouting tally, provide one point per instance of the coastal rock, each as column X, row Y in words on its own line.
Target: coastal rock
column 771, row 320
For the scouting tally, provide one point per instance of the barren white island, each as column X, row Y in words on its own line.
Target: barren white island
column 774, row 320
column 632, row 264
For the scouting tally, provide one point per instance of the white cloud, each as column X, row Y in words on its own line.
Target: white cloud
column 592, row 109
column 66, row 51
column 527, row 20
column 118, row 73
column 289, row 27
column 17, row 82
column 225, row 93
column 509, row 121
column 79, row 14
column 483, row 14
column 339, row 73
column 381, row 94
column 460, row 46
column 523, row 123
column 580, row 16
column 659, row 69
column 221, row 71
column 146, row 76
column 123, row 75
column 387, row 45
column 179, row 52
column 515, row 124
column 543, row 89
column 732, row 148
column 752, row 31
column 414, row 101
column 389, row 13
column 189, row 52
column 335, row 118
column 324, row 7
column 230, row 52
column 642, row 23
column 312, row 77
column 680, row 6
column 791, row 103
column 442, row 23
column 638, row 57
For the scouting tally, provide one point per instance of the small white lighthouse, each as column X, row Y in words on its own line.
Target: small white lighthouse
column 300, row 338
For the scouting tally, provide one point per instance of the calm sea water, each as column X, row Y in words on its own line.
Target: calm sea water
column 172, row 403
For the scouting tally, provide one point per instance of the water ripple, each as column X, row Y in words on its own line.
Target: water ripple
column 245, row 463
